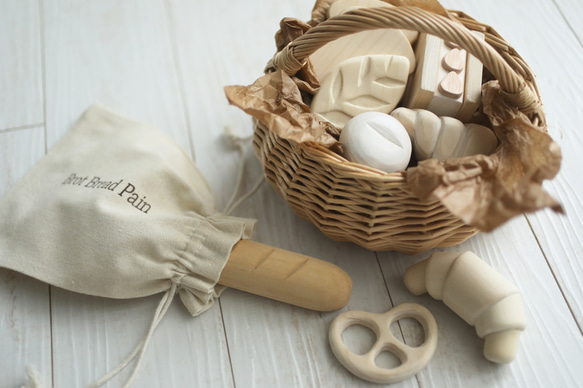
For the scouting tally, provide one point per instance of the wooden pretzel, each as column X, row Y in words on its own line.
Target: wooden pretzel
column 413, row 359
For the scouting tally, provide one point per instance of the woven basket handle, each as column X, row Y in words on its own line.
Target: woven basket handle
column 294, row 55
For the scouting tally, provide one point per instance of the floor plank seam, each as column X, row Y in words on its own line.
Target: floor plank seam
column 43, row 69
column 41, row 22
column 567, row 23
column 22, row 127
column 392, row 306
column 127, row 56
column 227, row 343
column 554, row 275
column 384, row 279
column 179, row 77
column 51, row 329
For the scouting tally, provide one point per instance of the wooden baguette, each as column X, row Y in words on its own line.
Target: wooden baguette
column 286, row 276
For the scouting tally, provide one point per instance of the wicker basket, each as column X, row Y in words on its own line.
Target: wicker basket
column 350, row 202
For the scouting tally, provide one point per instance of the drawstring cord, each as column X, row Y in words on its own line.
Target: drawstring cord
column 239, row 142
column 142, row 346
column 166, row 300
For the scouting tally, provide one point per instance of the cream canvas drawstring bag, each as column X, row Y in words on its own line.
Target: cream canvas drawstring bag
column 116, row 209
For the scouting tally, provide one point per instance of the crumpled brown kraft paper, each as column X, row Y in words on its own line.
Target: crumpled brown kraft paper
column 291, row 29
column 483, row 191
column 486, row 191
column 275, row 100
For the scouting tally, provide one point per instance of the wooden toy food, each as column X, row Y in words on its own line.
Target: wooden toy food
column 380, row 41
column 361, row 84
column 413, row 359
column 444, row 137
column 286, row 276
column 383, row 211
column 339, row 7
column 447, row 80
column 478, row 294
column 377, row 140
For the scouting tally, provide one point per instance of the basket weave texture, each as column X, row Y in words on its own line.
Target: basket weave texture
column 374, row 209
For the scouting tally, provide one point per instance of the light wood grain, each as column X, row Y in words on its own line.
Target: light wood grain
column 165, row 62
column 93, row 335
column 119, row 54
column 21, row 150
column 525, row 266
column 560, row 236
column 286, row 276
column 116, row 54
column 293, row 349
column 21, row 88
column 212, row 42
column 25, row 325
column 546, row 51
column 570, row 11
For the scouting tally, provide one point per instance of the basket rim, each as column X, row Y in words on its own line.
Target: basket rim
column 493, row 39
column 339, row 163
column 321, row 185
column 516, row 78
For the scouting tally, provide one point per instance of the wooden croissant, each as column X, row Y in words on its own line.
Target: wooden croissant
column 444, row 137
column 478, row 294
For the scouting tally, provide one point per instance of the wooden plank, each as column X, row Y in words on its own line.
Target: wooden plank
column 93, row 335
column 25, row 327
column 561, row 237
column 271, row 344
column 544, row 50
column 571, row 11
column 230, row 45
column 115, row 54
column 21, row 89
column 21, row 150
column 119, row 54
column 550, row 348
column 277, row 345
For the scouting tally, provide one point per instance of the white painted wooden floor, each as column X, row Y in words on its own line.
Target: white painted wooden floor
column 165, row 62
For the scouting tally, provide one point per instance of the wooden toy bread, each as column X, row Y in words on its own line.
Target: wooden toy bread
column 286, row 276
column 444, row 137
column 478, row 294
column 447, row 81
column 381, row 41
column 377, row 140
column 405, row 210
column 368, row 83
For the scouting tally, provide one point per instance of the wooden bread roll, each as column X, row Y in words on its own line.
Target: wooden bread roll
column 286, row 276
